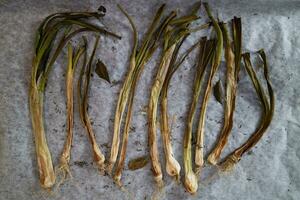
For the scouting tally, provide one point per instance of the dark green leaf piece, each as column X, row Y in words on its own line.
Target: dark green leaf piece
column 138, row 163
column 219, row 92
column 101, row 71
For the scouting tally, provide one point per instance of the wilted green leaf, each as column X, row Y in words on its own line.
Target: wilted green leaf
column 219, row 92
column 138, row 163
column 101, row 71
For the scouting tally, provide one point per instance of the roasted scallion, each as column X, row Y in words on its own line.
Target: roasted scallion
column 173, row 38
column 45, row 55
column 205, row 54
column 83, row 90
column 121, row 105
column 152, row 111
column 172, row 165
column 66, row 154
column 138, row 59
column 168, row 32
column 199, row 161
column 267, row 115
column 232, row 57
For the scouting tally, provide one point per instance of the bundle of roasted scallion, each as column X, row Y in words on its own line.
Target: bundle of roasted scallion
column 168, row 32
column 60, row 28
column 138, row 59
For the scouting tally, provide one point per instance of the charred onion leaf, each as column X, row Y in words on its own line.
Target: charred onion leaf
column 101, row 71
column 138, row 163
column 218, row 92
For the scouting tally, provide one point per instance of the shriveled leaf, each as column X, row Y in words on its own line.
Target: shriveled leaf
column 92, row 27
column 218, row 92
column 184, row 20
column 138, row 163
column 237, row 41
column 101, row 71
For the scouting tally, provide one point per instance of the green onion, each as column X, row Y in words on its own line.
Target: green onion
column 152, row 111
column 205, row 55
column 172, row 166
column 138, row 60
column 44, row 58
column 174, row 36
column 66, row 154
column 99, row 158
column 215, row 65
column 122, row 100
column 232, row 66
column 267, row 115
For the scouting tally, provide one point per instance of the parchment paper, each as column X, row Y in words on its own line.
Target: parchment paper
column 270, row 171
